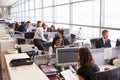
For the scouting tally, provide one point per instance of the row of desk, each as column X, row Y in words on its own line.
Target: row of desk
column 31, row 72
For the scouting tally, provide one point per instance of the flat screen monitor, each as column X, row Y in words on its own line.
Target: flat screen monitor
column 67, row 56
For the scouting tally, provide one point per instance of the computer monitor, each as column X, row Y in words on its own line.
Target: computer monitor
column 118, row 42
column 67, row 56
column 29, row 35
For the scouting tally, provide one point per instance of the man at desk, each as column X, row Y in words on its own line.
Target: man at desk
column 104, row 41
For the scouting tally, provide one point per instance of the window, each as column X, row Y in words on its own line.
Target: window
column 112, row 13
column 57, row 2
column 93, row 32
column 48, row 14
column 47, row 3
column 31, row 4
column 38, row 15
column 38, row 4
column 32, row 18
column 23, row 7
column 62, row 14
column 26, row 5
column 86, row 13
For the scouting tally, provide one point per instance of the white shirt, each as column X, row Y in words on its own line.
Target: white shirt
column 28, row 29
column 39, row 34
column 104, row 40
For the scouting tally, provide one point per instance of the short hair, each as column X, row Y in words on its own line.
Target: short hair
column 104, row 31
column 86, row 59
column 38, row 22
column 28, row 22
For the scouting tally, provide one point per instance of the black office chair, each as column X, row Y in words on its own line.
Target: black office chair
column 118, row 42
column 20, row 40
column 113, row 74
column 72, row 38
column 93, row 42
column 29, row 37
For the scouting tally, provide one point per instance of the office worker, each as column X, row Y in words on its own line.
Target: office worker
column 62, row 36
column 25, row 27
column 56, row 42
column 104, row 41
column 17, row 26
column 44, row 27
column 87, row 65
column 39, row 37
column 52, row 28
column 38, row 24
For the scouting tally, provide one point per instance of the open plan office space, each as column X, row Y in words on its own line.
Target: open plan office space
column 59, row 40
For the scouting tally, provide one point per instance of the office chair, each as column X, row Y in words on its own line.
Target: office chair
column 93, row 42
column 20, row 40
column 72, row 38
column 29, row 37
column 113, row 74
column 118, row 42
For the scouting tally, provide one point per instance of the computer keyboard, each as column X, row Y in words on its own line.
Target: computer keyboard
column 20, row 62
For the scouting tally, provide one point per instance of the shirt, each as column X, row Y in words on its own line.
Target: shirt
column 39, row 34
column 87, row 73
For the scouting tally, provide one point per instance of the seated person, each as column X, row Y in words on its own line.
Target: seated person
column 87, row 65
column 39, row 38
column 52, row 28
column 64, row 39
column 104, row 41
column 56, row 43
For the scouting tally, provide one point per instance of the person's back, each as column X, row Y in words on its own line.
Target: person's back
column 87, row 65
column 88, row 73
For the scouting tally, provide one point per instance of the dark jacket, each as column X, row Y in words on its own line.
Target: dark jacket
column 100, row 43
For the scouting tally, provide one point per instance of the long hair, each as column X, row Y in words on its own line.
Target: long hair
column 54, row 40
column 85, row 57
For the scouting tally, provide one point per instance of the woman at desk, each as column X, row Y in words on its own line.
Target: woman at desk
column 56, row 43
column 87, row 65
column 39, row 38
column 52, row 28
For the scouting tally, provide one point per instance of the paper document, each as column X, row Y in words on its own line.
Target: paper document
column 68, row 75
column 107, row 53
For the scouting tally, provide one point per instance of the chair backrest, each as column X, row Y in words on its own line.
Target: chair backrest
column 72, row 38
column 118, row 42
column 21, row 41
column 113, row 74
column 29, row 35
column 93, row 42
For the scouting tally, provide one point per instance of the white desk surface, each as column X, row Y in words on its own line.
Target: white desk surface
column 27, row 72
column 102, row 68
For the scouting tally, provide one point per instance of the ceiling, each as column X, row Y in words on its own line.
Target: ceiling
column 7, row 2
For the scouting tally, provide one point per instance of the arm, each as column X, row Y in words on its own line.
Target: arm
column 42, row 35
column 81, row 78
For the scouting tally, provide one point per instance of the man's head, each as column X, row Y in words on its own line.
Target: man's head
column 105, row 34
column 28, row 23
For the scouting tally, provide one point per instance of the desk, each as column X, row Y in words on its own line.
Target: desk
column 6, row 42
column 27, row 72
column 102, row 68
